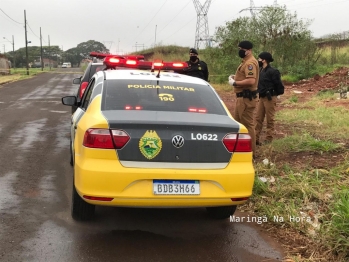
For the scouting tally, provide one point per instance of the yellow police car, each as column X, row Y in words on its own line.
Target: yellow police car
column 145, row 135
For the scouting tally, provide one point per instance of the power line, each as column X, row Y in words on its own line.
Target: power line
column 174, row 17
column 171, row 20
column 32, row 30
column 151, row 19
column 10, row 17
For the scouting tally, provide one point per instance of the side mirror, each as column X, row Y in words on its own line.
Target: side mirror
column 69, row 101
column 77, row 81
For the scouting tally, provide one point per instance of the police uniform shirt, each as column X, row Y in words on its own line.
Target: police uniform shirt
column 247, row 69
column 198, row 69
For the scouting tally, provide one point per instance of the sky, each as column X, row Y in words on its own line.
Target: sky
column 132, row 25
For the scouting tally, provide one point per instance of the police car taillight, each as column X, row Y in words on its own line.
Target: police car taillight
column 120, row 138
column 105, row 138
column 238, row 142
column 98, row 138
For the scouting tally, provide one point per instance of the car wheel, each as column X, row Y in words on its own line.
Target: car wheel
column 221, row 212
column 81, row 210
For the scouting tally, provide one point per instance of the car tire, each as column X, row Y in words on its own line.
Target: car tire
column 81, row 210
column 221, row 212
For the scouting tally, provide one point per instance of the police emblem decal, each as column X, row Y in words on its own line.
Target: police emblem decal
column 150, row 144
column 250, row 67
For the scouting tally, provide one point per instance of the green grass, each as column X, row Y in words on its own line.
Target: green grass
column 304, row 143
column 290, row 78
column 320, row 196
column 222, row 87
column 319, row 199
column 328, row 122
column 337, row 226
column 21, row 73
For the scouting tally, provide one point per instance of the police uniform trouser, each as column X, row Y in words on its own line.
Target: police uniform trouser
column 266, row 108
column 243, row 113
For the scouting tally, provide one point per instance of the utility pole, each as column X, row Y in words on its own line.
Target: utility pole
column 26, row 42
column 13, row 51
column 49, row 52
column 252, row 7
column 155, row 36
column 139, row 45
column 41, row 60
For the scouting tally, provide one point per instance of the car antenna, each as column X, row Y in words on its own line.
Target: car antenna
column 158, row 75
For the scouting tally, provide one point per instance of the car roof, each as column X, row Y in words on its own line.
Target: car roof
column 147, row 75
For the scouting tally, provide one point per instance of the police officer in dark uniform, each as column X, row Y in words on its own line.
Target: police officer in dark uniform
column 196, row 67
column 269, row 87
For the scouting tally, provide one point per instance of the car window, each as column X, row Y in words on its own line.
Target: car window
column 86, row 76
column 87, row 96
column 160, row 96
column 95, row 69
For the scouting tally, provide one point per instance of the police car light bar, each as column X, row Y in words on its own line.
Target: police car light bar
column 103, row 55
column 116, row 61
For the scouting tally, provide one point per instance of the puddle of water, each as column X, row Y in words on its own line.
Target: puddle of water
column 51, row 243
column 47, row 187
column 62, row 138
column 8, row 199
column 30, row 134
column 253, row 243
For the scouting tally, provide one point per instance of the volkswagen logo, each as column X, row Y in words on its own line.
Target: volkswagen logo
column 178, row 141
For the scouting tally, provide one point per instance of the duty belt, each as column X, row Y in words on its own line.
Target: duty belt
column 247, row 94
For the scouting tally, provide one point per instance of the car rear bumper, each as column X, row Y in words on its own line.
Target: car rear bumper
column 133, row 187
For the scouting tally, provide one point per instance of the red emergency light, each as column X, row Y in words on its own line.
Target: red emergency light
column 117, row 61
column 104, row 55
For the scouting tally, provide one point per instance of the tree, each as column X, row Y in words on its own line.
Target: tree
column 273, row 29
column 83, row 50
column 34, row 54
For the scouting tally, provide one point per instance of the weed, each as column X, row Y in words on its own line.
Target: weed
column 293, row 99
column 328, row 122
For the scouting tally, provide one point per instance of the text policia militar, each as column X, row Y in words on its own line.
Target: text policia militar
column 180, row 88
column 264, row 219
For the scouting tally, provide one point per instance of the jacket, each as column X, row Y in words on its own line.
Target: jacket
column 270, row 80
column 198, row 69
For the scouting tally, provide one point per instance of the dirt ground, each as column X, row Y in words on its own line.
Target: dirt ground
column 304, row 90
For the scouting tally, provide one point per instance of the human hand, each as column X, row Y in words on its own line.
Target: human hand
column 231, row 81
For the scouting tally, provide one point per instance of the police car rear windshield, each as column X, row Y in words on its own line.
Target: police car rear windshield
column 160, row 95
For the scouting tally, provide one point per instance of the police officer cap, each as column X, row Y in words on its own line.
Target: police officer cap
column 193, row 50
column 245, row 45
column 266, row 56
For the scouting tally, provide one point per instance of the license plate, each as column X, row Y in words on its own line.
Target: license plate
column 176, row 187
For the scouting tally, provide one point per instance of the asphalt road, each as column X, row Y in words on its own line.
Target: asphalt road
column 35, row 197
